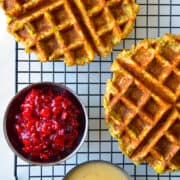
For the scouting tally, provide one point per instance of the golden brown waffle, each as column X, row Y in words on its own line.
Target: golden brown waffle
column 108, row 21
column 142, row 103
column 73, row 30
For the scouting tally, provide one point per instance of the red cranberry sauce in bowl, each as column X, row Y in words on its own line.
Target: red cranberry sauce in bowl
column 45, row 123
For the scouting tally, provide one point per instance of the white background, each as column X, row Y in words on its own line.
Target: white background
column 7, row 77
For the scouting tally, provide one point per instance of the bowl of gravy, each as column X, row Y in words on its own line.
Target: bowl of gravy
column 97, row 170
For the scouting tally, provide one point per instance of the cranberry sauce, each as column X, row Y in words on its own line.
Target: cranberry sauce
column 48, row 124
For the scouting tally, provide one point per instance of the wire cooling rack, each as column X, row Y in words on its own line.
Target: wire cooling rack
column 156, row 17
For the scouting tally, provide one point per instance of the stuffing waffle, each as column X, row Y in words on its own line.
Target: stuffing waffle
column 73, row 30
column 142, row 102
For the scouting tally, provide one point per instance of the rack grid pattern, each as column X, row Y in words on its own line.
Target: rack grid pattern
column 155, row 18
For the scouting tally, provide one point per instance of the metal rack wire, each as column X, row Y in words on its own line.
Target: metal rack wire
column 156, row 17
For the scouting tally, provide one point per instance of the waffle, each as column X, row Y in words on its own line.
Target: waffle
column 108, row 21
column 142, row 103
column 73, row 30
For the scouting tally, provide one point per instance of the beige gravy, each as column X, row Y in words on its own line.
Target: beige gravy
column 97, row 171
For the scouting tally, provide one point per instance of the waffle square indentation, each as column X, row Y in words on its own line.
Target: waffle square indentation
column 99, row 20
column 173, row 82
column 70, row 35
column 134, row 93
column 60, row 15
column 165, row 147
column 152, row 108
column 41, row 24
column 138, row 125
column 89, row 4
column 50, row 44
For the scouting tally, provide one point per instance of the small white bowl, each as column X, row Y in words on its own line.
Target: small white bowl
column 93, row 162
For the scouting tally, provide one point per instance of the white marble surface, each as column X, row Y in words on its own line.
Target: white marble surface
column 6, row 92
